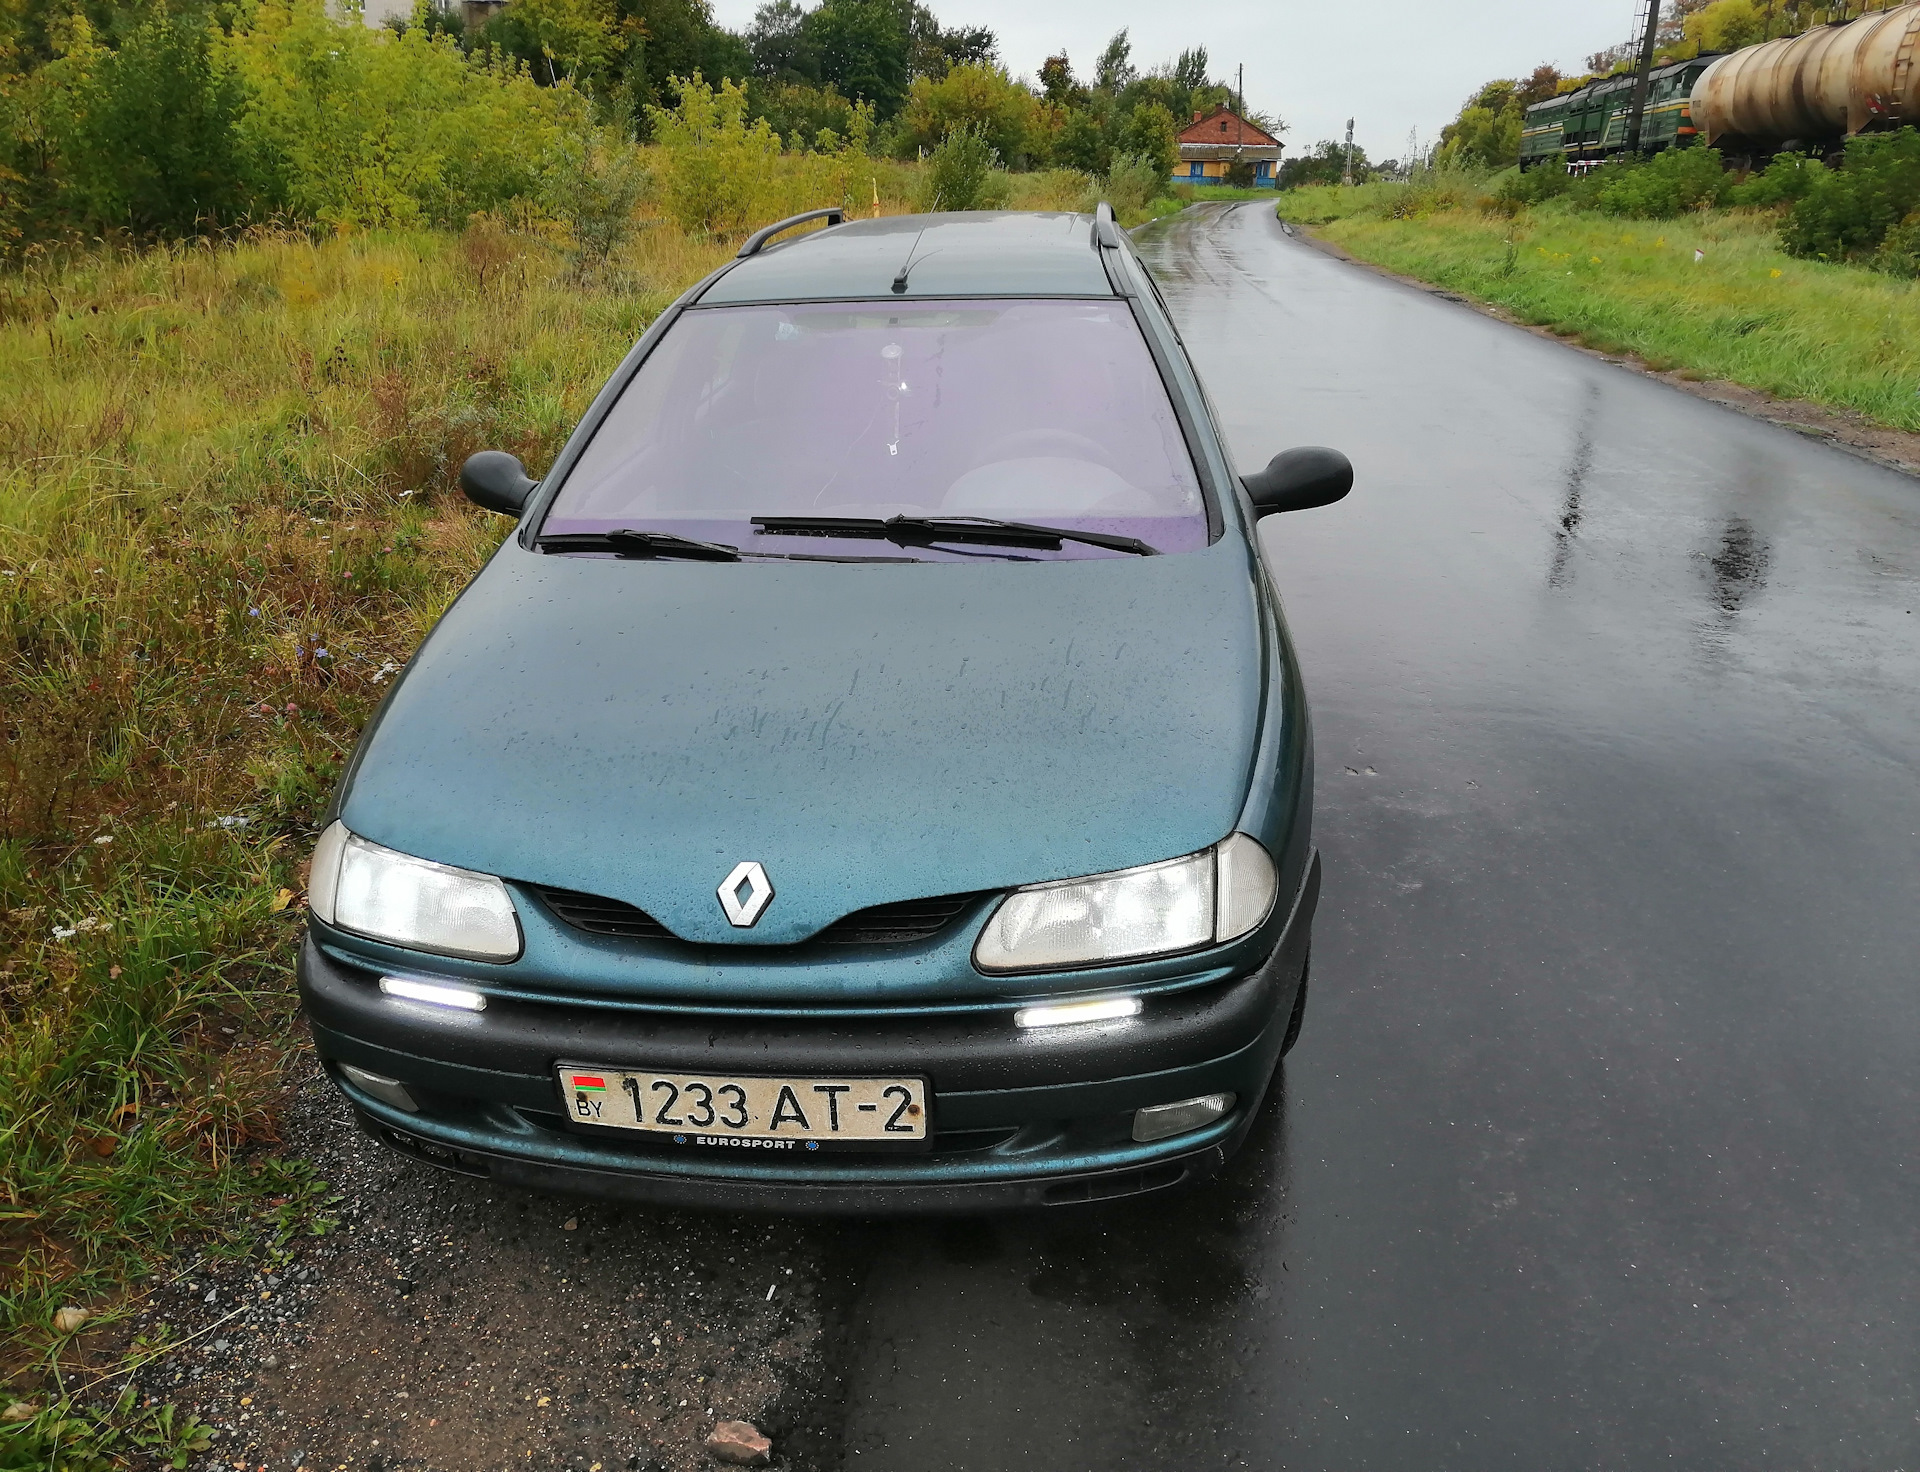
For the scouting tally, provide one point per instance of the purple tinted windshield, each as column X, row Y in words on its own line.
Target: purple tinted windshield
column 1049, row 412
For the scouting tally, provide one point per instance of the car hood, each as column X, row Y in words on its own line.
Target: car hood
column 868, row 733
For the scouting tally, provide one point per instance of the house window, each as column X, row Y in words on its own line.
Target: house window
column 1223, row 125
column 1196, row 170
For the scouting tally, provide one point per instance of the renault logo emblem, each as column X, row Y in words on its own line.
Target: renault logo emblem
column 745, row 894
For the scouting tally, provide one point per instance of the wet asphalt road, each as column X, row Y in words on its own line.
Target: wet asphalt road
column 1598, row 1149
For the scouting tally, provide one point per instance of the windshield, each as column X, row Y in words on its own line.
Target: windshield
column 1048, row 412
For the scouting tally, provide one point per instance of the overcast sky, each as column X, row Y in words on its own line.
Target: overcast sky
column 1392, row 65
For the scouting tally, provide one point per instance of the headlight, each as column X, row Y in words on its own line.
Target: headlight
column 1156, row 910
column 375, row 892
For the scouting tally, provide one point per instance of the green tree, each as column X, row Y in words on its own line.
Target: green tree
column 148, row 137
column 570, row 38
column 1727, row 25
column 778, row 42
column 715, row 155
column 1324, row 163
column 962, row 173
column 796, row 110
column 675, row 38
column 725, row 171
column 1487, row 132
column 933, row 50
column 1115, row 68
column 595, row 184
column 1848, row 212
column 1150, row 132
column 1058, row 84
column 1081, row 142
column 979, row 97
column 863, row 47
column 372, row 129
column 1190, row 71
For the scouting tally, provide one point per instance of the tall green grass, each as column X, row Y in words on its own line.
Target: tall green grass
column 1842, row 336
column 226, row 517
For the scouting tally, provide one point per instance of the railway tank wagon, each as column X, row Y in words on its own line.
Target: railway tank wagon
column 1814, row 90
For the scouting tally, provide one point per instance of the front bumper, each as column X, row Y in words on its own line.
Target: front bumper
column 1020, row 1119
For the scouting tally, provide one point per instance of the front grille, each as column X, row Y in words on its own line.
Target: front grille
column 892, row 925
column 883, row 925
column 597, row 916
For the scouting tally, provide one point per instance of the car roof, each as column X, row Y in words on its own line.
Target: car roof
column 975, row 254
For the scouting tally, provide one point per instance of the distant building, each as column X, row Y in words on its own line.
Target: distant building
column 472, row 13
column 1215, row 142
column 476, row 13
column 374, row 13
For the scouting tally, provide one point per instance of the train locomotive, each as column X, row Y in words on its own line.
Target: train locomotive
column 1809, row 92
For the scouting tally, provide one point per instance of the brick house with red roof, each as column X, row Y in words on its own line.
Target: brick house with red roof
column 1216, row 141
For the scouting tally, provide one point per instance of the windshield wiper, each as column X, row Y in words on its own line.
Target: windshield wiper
column 627, row 542
column 926, row 531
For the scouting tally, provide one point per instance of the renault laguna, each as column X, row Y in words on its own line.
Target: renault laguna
column 874, row 775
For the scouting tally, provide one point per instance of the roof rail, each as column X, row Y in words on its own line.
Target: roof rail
column 759, row 238
column 1105, row 231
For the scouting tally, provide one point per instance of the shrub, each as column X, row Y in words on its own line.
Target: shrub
column 558, row 38
column 187, row 128
column 1542, row 182
column 1150, row 130
column 148, row 136
column 1666, row 185
column 724, row 175
column 1848, row 212
column 960, row 171
column 599, row 184
column 370, row 129
column 796, row 109
column 1899, row 253
column 981, row 96
column 1787, row 179
column 1446, row 186
column 1133, row 183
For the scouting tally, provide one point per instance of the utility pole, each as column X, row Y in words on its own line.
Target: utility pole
column 1640, row 86
column 1348, row 180
column 1241, row 91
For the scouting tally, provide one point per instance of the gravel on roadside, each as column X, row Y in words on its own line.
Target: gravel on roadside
column 449, row 1325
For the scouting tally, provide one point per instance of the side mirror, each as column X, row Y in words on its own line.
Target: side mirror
column 498, row 481
column 1299, row 479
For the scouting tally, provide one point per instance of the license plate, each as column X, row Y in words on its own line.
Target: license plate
column 746, row 1112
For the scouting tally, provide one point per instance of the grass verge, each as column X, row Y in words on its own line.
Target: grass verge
column 1710, row 295
column 1208, row 193
column 226, row 519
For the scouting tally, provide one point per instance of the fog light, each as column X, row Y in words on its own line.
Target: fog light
column 1163, row 1121
column 1059, row 1014
column 427, row 991
column 386, row 1090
